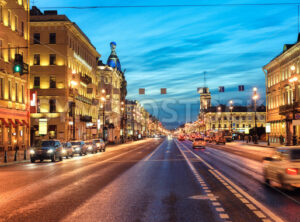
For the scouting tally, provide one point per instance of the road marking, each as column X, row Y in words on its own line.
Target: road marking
column 153, row 152
column 259, row 214
column 219, row 176
column 217, row 206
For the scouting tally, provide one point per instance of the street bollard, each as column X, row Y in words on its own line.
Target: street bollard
column 5, row 156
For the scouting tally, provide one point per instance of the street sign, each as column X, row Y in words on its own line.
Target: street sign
column 268, row 128
column 297, row 116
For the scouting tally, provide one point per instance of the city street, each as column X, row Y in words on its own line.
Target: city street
column 144, row 181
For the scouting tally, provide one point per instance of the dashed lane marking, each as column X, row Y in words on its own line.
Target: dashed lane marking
column 154, row 151
column 237, row 191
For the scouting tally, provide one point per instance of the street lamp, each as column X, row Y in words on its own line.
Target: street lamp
column 293, row 82
column 73, row 84
column 219, row 113
column 255, row 97
column 103, row 99
column 231, row 108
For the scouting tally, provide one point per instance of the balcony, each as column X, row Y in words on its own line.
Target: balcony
column 86, row 79
column 84, row 99
column 285, row 109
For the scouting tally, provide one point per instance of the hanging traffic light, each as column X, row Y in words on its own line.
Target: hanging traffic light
column 18, row 64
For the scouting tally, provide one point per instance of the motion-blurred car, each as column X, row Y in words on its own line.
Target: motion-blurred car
column 90, row 147
column 79, row 147
column 69, row 149
column 199, row 143
column 47, row 149
column 283, row 167
column 99, row 145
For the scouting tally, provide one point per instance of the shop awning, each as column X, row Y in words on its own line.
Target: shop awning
column 19, row 122
column 12, row 123
column 4, row 122
column 25, row 123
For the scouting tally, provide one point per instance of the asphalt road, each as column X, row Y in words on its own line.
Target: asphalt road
column 150, row 180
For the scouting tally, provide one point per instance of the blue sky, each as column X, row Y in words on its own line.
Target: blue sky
column 172, row 47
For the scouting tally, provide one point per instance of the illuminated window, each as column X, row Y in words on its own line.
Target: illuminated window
column 52, row 38
column 36, row 59
column 36, row 38
column 52, row 58
column 36, row 82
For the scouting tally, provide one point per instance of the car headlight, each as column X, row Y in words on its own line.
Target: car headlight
column 77, row 148
column 90, row 148
column 63, row 151
column 50, row 151
column 32, row 152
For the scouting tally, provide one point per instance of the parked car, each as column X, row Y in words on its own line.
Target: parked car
column 90, row 147
column 47, row 149
column 69, row 149
column 79, row 147
column 199, row 143
column 99, row 144
column 283, row 167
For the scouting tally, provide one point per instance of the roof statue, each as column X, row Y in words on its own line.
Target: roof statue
column 113, row 60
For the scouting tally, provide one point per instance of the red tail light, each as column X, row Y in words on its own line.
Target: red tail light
column 292, row 171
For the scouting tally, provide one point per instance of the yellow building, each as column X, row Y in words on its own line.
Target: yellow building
column 63, row 66
column 242, row 119
column 14, row 94
column 283, row 94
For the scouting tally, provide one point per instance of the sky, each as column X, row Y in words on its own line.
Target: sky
column 172, row 48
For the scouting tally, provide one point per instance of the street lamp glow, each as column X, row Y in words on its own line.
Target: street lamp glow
column 103, row 91
column 103, row 99
column 73, row 83
column 255, row 97
column 254, row 89
column 231, row 102
column 293, row 79
column 293, row 68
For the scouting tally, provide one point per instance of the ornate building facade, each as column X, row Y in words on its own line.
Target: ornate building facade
column 283, row 94
column 63, row 64
column 14, row 94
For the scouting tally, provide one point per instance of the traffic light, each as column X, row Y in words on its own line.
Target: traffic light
column 18, row 64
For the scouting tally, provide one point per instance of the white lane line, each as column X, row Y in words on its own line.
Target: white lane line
column 217, row 206
column 259, row 205
column 154, row 151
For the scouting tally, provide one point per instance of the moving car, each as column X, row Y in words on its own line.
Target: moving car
column 90, row 148
column 69, row 149
column 283, row 167
column 47, row 149
column 99, row 145
column 199, row 143
column 181, row 138
column 79, row 147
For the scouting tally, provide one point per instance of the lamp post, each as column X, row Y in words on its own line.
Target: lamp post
column 219, row 113
column 103, row 99
column 122, row 120
column 73, row 84
column 255, row 97
column 231, row 108
column 293, row 82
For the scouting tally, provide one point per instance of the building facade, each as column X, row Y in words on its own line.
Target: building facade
column 240, row 119
column 64, row 64
column 113, row 86
column 283, row 94
column 14, row 93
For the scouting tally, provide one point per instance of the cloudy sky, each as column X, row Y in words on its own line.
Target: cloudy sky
column 171, row 47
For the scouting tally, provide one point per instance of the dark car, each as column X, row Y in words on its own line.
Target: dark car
column 47, row 149
column 69, row 149
column 79, row 147
column 99, row 145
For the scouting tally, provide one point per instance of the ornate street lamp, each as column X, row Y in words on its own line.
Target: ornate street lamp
column 219, row 113
column 231, row 108
column 73, row 84
column 255, row 97
column 103, row 100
